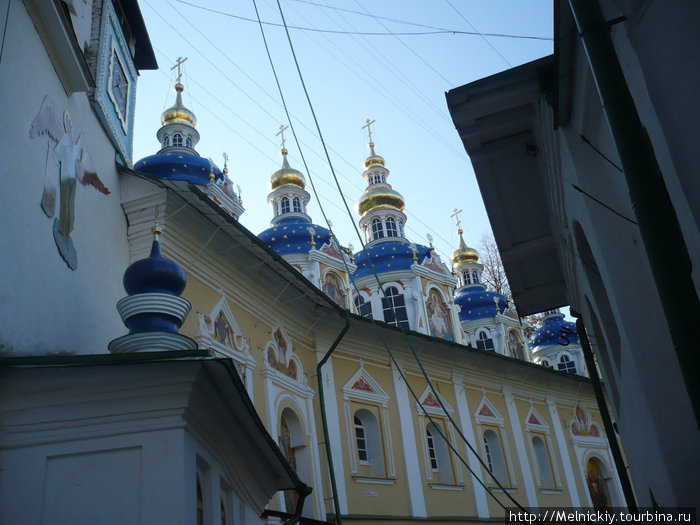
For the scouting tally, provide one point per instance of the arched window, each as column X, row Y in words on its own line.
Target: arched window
column 361, row 440
column 566, row 364
column 544, row 468
column 431, row 451
column 475, row 277
column 291, row 441
column 494, row 457
column 484, row 342
column 166, row 141
column 368, row 441
column 545, row 363
column 391, row 230
column 466, row 277
column 188, row 142
column 177, row 139
column 377, row 229
column 296, row 202
column 200, row 502
column 401, row 229
column 438, row 452
column 362, row 307
column 284, row 204
column 394, row 308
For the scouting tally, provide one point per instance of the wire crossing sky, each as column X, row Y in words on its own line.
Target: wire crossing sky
column 352, row 74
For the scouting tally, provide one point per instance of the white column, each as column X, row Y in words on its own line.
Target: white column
column 465, row 422
column 563, row 452
column 334, row 435
column 520, row 450
column 315, row 461
column 410, row 451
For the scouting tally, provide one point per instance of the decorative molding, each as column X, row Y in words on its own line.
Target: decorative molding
column 431, row 405
column 364, row 387
column 535, row 422
column 487, row 413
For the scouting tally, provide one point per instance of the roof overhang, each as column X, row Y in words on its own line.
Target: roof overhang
column 496, row 119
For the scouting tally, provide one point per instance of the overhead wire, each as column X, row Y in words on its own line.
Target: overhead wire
column 368, row 33
column 245, row 93
column 431, row 386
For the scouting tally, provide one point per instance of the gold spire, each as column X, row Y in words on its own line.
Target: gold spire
column 463, row 253
column 156, row 229
column 178, row 114
column 373, row 158
column 286, row 175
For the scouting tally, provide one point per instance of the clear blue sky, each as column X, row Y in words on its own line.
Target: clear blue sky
column 399, row 81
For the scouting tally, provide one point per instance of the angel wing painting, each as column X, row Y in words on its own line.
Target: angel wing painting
column 67, row 162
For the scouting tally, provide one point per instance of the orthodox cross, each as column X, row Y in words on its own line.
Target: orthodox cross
column 369, row 130
column 225, row 160
column 281, row 132
column 177, row 65
column 456, row 216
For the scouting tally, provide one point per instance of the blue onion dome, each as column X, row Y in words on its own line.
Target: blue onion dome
column 154, row 274
column 177, row 165
column 388, row 256
column 463, row 253
column 477, row 303
column 287, row 175
column 555, row 330
column 295, row 235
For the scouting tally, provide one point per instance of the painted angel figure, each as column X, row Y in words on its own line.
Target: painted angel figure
column 67, row 162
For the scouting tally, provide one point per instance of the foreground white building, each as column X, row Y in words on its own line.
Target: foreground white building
column 598, row 147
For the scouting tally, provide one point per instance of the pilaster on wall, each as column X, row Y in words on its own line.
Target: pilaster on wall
column 563, row 452
column 482, row 508
column 410, row 451
column 521, row 452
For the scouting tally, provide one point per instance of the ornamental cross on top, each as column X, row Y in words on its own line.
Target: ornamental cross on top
column 281, row 132
column 456, row 216
column 369, row 130
column 177, row 65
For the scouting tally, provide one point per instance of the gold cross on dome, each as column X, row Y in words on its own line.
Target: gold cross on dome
column 456, row 216
column 177, row 65
column 281, row 132
column 369, row 130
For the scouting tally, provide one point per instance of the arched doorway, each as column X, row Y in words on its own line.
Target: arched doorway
column 291, row 441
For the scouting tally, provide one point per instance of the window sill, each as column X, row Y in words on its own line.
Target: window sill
column 551, row 491
column 441, row 486
column 374, row 481
column 509, row 490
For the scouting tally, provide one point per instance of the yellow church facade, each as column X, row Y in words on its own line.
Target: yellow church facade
column 538, row 431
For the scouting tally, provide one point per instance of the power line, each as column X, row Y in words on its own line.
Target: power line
column 366, row 33
column 482, row 35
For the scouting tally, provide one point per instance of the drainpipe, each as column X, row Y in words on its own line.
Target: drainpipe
column 322, row 400
column 658, row 225
column 620, row 466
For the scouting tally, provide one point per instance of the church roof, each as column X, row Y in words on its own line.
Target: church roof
column 180, row 166
column 389, row 256
column 477, row 303
column 555, row 330
column 293, row 235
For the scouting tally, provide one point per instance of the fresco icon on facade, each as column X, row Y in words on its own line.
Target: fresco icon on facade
column 67, row 162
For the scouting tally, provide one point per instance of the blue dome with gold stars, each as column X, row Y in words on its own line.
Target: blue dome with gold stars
column 555, row 330
column 180, row 166
column 293, row 235
column 477, row 303
column 388, row 256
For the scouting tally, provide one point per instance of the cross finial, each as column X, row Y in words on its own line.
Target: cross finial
column 177, row 65
column 156, row 229
column 456, row 216
column 281, row 132
column 369, row 129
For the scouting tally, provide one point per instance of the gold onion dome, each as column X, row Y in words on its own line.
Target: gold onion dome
column 383, row 197
column 464, row 253
column 287, row 175
column 373, row 159
column 178, row 114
